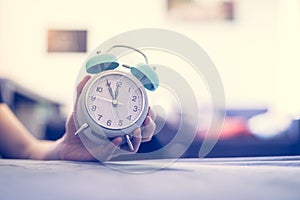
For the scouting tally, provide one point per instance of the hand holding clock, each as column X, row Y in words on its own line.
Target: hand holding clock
column 70, row 147
column 17, row 142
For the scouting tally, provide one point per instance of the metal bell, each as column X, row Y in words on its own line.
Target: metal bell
column 146, row 74
column 101, row 62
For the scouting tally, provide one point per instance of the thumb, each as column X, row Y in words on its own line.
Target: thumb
column 110, row 148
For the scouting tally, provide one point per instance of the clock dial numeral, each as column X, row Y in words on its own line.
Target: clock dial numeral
column 120, row 123
column 135, row 108
column 99, row 89
column 99, row 117
column 108, row 123
column 94, row 108
column 129, row 117
column 93, row 98
column 119, row 84
column 134, row 98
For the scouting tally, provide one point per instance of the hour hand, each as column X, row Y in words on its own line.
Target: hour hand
column 117, row 91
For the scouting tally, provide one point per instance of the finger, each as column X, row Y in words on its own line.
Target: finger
column 151, row 114
column 136, row 139
column 79, row 88
column 148, row 129
column 82, row 84
column 110, row 148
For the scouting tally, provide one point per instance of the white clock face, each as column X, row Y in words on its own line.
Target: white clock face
column 115, row 101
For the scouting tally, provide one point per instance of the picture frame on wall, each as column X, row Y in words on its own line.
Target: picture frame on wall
column 66, row 40
column 201, row 10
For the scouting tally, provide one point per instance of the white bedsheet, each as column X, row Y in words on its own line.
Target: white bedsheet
column 228, row 178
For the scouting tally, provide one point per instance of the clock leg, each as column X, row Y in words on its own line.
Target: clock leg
column 82, row 128
column 129, row 143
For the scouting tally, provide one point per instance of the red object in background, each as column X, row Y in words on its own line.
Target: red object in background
column 232, row 127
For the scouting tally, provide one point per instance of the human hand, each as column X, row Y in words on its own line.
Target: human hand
column 70, row 147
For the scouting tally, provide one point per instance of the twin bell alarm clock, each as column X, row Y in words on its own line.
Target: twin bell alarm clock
column 114, row 101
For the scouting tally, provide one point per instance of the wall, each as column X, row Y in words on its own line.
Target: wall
column 246, row 52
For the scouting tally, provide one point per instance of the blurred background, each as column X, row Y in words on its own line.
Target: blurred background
column 254, row 44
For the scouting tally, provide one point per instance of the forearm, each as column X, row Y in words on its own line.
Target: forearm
column 46, row 150
column 17, row 142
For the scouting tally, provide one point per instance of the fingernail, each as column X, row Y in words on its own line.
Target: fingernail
column 117, row 141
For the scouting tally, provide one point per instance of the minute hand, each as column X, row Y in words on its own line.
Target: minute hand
column 109, row 89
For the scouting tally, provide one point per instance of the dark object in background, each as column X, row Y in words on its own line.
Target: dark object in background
column 240, row 144
column 55, row 124
column 55, row 129
column 41, row 116
column 245, row 145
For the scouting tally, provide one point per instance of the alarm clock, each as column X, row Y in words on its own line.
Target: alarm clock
column 114, row 101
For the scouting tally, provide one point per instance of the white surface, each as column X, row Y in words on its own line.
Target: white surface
column 243, row 178
column 245, row 50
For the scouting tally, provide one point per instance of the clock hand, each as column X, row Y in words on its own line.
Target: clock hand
column 127, row 137
column 117, row 91
column 105, row 99
column 109, row 100
column 116, row 112
column 109, row 89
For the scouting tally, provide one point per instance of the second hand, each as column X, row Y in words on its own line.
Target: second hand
column 108, row 100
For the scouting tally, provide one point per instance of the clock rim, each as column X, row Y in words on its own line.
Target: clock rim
column 135, row 123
